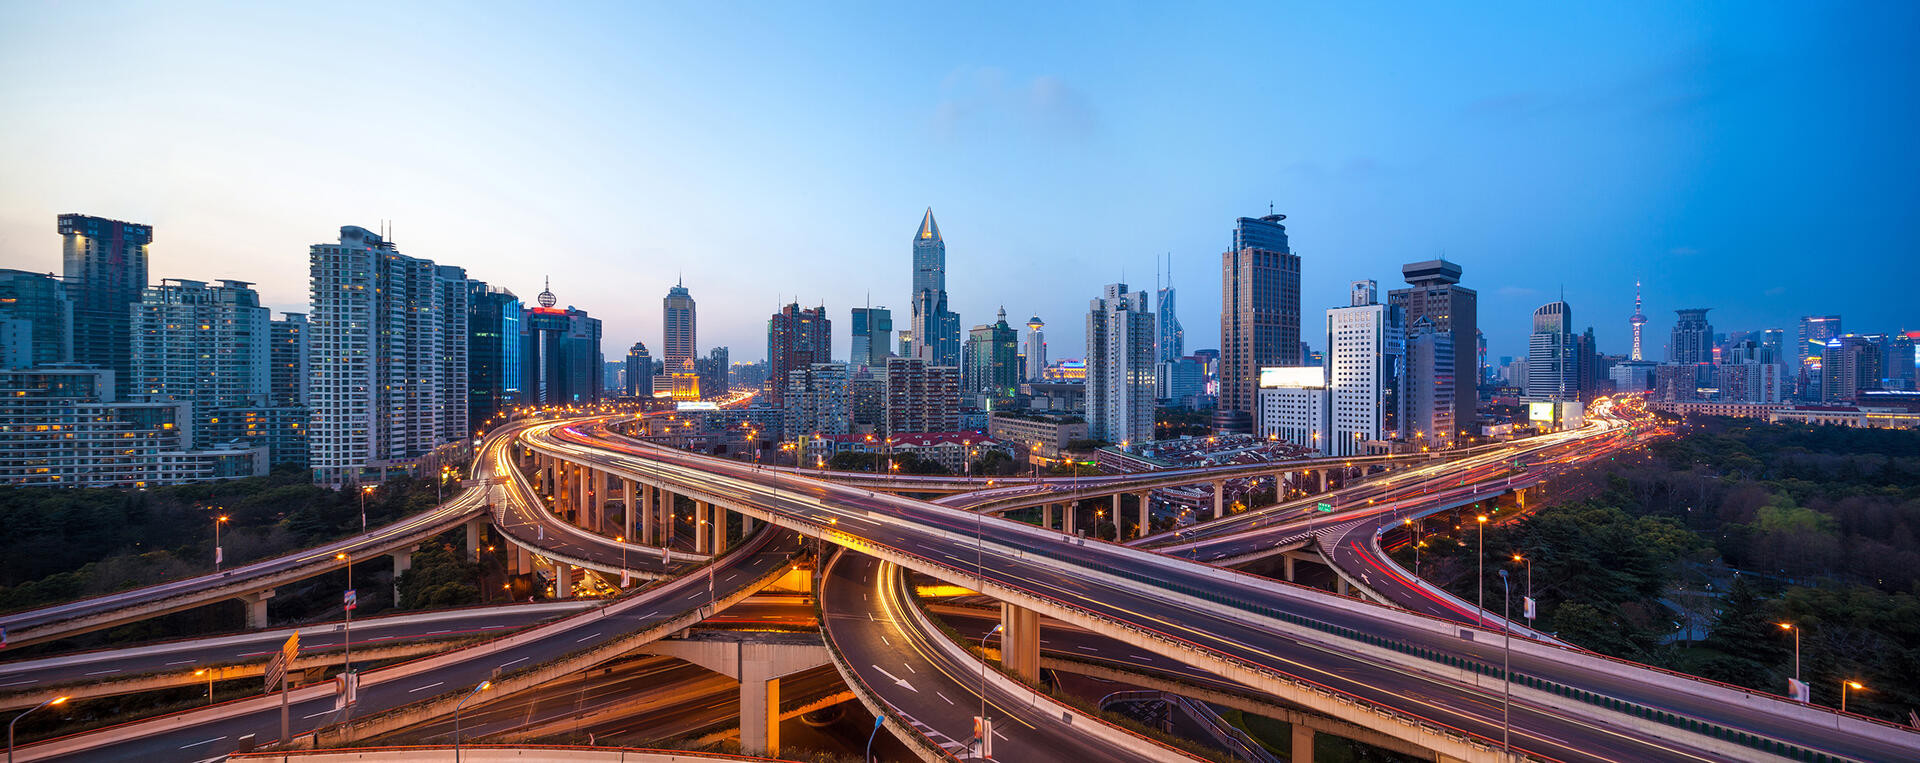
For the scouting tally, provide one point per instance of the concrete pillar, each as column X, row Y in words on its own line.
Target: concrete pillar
column 257, row 607
column 474, row 526
column 1046, row 515
column 580, row 498
column 1071, row 521
column 1286, row 562
column 522, row 561
column 600, row 495
column 402, row 560
column 1020, row 641
column 1285, row 477
column 1340, row 585
column 702, row 537
column 746, row 526
column 1302, row 744
column 719, row 528
column 1115, row 514
column 1219, row 498
column 1146, row 501
column 562, row 580
column 759, row 709
column 627, row 488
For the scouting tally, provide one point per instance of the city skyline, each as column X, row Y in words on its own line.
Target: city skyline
column 239, row 188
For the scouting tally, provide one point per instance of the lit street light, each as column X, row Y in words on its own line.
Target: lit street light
column 1506, row 664
column 1480, row 578
column 1796, row 653
column 347, row 603
column 1844, row 686
column 456, row 716
column 364, row 490
column 1529, row 563
column 16, row 719
column 218, row 554
column 209, row 672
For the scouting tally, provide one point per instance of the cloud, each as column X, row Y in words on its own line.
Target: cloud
column 979, row 99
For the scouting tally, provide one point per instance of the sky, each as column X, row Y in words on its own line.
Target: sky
column 1756, row 158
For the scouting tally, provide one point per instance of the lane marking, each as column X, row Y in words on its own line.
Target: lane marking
column 504, row 664
column 583, row 638
column 203, row 741
column 104, row 672
column 424, row 688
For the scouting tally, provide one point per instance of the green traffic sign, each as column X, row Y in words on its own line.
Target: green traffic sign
column 1324, row 507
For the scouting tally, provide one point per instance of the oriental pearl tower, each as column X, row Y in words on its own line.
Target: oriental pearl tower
column 1638, row 320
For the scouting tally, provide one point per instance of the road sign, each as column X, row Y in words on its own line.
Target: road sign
column 276, row 670
column 292, row 647
column 1324, row 507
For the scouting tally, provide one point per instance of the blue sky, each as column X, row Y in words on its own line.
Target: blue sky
column 1759, row 159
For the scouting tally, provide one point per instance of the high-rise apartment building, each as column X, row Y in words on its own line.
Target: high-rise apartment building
column 872, row 337
column 815, row 400
column 1427, row 399
column 639, row 371
column 796, row 338
column 990, row 360
column 105, row 265
column 1259, row 315
column 204, row 345
column 36, row 320
column 378, row 357
column 104, row 442
column 1036, row 350
column 677, row 342
column 936, row 329
column 496, row 352
column 1901, row 369
column 562, row 361
column 1692, row 340
column 1366, row 346
column 1120, row 366
column 1294, row 406
column 715, row 373
column 1849, row 365
column 1434, row 292
column 921, row 397
column 287, row 358
column 1808, row 354
column 1552, row 369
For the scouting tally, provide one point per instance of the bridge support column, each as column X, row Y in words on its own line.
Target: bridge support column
column 1219, row 498
column 627, row 488
column 1286, row 564
column 1046, row 515
column 474, row 528
column 257, row 607
column 759, row 709
column 702, row 521
column 1302, row 744
column 402, row 561
column 1070, row 522
column 562, row 580
column 1115, row 513
column 1020, row 641
column 581, row 483
column 719, row 527
column 1340, row 586
column 602, row 483
column 1146, row 502
column 522, row 560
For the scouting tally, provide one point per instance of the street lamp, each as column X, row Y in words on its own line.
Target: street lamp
column 1506, row 664
column 347, row 603
column 218, row 554
column 1796, row 648
column 456, row 716
column 1844, row 686
column 1480, row 578
column 364, row 490
column 1529, row 563
column 16, row 719
column 209, row 672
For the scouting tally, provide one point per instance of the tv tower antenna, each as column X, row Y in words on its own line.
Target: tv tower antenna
column 1638, row 320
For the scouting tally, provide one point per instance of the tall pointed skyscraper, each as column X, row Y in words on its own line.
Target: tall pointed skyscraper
column 678, row 340
column 1173, row 338
column 936, row 330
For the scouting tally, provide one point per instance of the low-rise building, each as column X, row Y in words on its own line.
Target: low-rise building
column 953, row 450
column 1041, row 435
column 61, row 426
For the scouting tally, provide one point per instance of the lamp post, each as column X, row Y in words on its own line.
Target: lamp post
column 16, row 719
column 364, row 490
column 1480, row 578
column 1529, row 563
column 1506, row 663
column 209, row 672
column 1796, row 648
column 218, row 554
column 1844, row 686
column 980, row 572
column 347, row 604
column 456, row 716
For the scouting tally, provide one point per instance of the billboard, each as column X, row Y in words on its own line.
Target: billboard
column 1540, row 412
column 1309, row 377
column 697, row 406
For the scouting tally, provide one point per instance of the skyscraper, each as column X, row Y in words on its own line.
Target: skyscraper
column 715, row 372
column 1429, row 385
column 496, row 353
column 36, row 320
column 563, row 363
column 815, row 399
column 872, row 337
column 639, row 371
column 201, row 344
column 1552, row 370
column 1120, row 366
column 1366, row 344
column 1901, row 371
column 921, row 397
column 1259, row 315
column 1434, row 292
column 936, row 330
column 796, row 338
column 678, row 342
column 1036, row 349
column 1849, row 365
column 105, row 265
column 990, row 362
column 1638, row 321
column 1173, row 339
column 287, row 370
column 455, row 291
column 377, row 328
column 1815, row 331
column 1692, row 337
